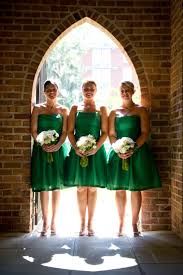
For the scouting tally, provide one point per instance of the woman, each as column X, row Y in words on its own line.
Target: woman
column 131, row 120
column 84, row 120
column 48, row 160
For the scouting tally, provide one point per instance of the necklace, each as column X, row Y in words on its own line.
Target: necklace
column 89, row 106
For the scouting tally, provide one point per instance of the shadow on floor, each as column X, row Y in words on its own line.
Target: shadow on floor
column 155, row 253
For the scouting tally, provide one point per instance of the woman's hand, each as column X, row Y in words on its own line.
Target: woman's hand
column 126, row 155
column 79, row 152
column 91, row 152
column 51, row 148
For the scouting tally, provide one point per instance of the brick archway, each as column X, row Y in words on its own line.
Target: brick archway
column 30, row 30
column 100, row 21
column 68, row 23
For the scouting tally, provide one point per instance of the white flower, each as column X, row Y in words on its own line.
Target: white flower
column 47, row 137
column 123, row 145
column 86, row 143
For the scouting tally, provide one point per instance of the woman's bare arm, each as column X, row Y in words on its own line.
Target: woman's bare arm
column 34, row 122
column 112, row 131
column 144, row 125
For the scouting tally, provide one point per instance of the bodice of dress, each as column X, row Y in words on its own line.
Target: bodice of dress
column 87, row 123
column 127, row 126
column 50, row 122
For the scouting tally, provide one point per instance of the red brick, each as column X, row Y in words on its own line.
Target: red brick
column 143, row 29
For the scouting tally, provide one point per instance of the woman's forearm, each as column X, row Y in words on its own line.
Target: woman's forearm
column 62, row 137
column 112, row 138
column 142, row 139
column 101, row 140
column 34, row 135
column 72, row 140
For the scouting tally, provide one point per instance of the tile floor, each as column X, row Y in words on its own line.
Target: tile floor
column 155, row 253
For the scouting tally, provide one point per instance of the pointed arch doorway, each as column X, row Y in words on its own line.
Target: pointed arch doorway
column 104, row 60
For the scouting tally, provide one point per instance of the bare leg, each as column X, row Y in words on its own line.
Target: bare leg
column 44, row 197
column 92, row 198
column 55, row 209
column 121, row 206
column 136, row 201
column 82, row 204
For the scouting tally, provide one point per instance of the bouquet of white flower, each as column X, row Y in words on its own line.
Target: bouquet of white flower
column 84, row 144
column 123, row 146
column 48, row 137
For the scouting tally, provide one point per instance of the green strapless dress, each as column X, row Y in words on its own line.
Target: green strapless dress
column 48, row 176
column 95, row 174
column 142, row 173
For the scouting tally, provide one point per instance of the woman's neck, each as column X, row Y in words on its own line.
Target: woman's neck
column 51, row 103
column 89, row 105
column 89, row 102
column 128, row 104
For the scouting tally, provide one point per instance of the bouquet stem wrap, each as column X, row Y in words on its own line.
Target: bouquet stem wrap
column 125, row 164
column 123, row 146
column 84, row 161
column 49, row 157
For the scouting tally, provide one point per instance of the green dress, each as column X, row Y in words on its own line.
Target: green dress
column 96, row 172
column 48, row 176
column 142, row 173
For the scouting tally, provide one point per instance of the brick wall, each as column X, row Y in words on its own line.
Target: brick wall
column 28, row 29
column 176, row 109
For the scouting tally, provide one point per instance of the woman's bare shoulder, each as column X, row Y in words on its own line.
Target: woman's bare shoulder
column 62, row 109
column 102, row 108
column 113, row 112
column 142, row 111
column 38, row 108
column 40, row 105
column 141, row 108
column 74, row 109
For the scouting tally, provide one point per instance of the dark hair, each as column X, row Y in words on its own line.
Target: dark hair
column 49, row 82
column 89, row 82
